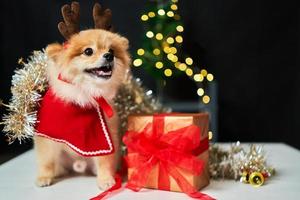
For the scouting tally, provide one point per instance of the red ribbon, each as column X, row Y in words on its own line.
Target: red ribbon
column 170, row 151
column 116, row 186
column 118, row 179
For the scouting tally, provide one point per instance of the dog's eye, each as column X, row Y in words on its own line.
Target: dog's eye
column 111, row 51
column 88, row 51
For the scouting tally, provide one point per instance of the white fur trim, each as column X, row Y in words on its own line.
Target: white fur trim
column 88, row 153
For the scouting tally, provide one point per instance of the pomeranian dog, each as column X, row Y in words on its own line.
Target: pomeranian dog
column 93, row 63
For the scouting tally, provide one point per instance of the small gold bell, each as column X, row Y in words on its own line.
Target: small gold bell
column 256, row 179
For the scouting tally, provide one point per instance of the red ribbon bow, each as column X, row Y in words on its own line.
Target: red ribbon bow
column 170, row 151
column 175, row 149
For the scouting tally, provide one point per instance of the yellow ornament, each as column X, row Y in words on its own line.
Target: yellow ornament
column 256, row 179
column 210, row 135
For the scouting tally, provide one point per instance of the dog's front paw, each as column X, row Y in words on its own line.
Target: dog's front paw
column 44, row 181
column 105, row 182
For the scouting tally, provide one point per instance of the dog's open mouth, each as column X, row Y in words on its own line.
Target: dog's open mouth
column 104, row 71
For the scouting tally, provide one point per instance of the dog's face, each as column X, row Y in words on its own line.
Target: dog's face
column 93, row 59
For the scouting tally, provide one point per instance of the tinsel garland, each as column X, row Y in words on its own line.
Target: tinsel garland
column 29, row 83
column 239, row 163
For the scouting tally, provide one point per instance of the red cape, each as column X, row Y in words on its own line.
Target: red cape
column 82, row 129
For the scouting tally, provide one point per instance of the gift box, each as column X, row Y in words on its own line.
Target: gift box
column 168, row 152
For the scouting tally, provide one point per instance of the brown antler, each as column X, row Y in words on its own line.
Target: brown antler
column 70, row 25
column 102, row 17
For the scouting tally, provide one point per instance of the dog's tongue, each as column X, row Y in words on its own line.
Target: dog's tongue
column 103, row 72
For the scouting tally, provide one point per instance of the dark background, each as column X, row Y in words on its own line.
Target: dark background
column 252, row 48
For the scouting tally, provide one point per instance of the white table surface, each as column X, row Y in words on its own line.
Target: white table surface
column 17, row 182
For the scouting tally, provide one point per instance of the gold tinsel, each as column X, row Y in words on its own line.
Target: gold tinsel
column 29, row 83
column 237, row 161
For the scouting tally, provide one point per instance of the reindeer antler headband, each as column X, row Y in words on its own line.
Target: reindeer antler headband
column 70, row 25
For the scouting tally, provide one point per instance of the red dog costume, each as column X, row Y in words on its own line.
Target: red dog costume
column 82, row 129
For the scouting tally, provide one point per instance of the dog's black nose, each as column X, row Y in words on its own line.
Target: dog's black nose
column 109, row 56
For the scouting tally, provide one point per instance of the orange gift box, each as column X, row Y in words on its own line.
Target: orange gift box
column 172, row 126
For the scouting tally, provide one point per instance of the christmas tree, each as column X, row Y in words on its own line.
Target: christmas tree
column 161, row 53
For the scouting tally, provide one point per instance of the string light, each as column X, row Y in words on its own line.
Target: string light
column 159, row 65
column 161, row 12
column 137, row 62
column 189, row 72
column 149, row 34
column 179, row 39
column 203, row 72
column 151, row 14
column 189, row 61
column 170, row 14
column 165, row 44
column 174, row 59
column 168, row 72
column 179, row 28
column 200, row 92
column 206, row 99
column 170, row 56
column 156, row 52
column 173, row 50
column 167, row 49
column 140, row 52
column 210, row 77
column 176, row 17
column 177, row 64
column 182, row 66
column 159, row 36
column 174, row 7
column 170, row 40
column 198, row 77
column 210, row 135
column 144, row 17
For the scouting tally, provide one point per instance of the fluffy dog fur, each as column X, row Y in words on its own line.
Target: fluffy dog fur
column 56, row 159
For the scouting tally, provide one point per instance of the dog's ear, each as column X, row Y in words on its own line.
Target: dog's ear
column 124, row 43
column 54, row 50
